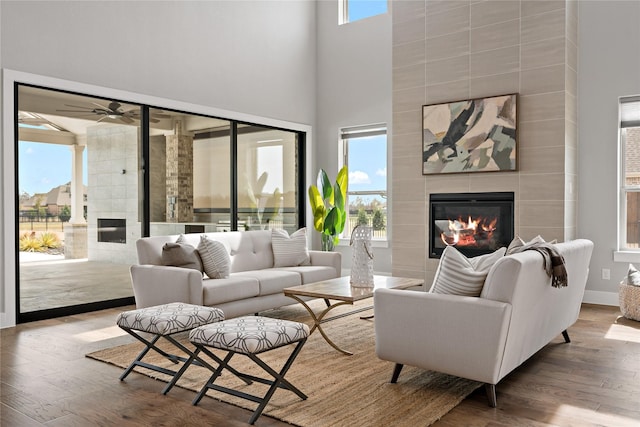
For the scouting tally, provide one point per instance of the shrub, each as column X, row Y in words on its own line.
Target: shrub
column 29, row 243
column 363, row 218
column 65, row 213
column 49, row 240
column 378, row 220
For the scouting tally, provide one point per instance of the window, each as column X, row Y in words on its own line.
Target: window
column 630, row 173
column 365, row 153
column 354, row 10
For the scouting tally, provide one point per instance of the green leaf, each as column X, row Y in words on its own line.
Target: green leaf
column 330, row 222
column 317, row 208
column 342, row 179
column 325, row 185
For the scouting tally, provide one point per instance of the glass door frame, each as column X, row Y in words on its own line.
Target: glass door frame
column 144, row 196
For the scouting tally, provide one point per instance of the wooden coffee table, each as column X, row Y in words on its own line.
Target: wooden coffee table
column 337, row 292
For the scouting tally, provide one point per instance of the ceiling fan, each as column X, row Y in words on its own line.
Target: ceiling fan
column 113, row 111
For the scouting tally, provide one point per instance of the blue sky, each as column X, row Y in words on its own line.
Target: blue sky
column 368, row 163
column 44, row 166
column 359, row 9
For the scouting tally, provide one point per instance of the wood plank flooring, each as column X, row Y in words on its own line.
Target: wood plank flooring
column 46, row 380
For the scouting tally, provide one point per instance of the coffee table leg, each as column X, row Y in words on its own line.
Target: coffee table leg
column 317, row 320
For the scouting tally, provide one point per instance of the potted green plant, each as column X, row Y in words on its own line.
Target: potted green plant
column 328, row 206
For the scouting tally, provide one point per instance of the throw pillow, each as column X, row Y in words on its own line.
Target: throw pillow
column 215, row 258
column 181, row 255
column 459, row 275
column 289, row 251
column 633, row 276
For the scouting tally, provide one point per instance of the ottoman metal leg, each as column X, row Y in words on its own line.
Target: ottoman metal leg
column 278, row 382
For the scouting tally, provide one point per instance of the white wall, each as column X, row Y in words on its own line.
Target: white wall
column 354, row 88
column 257, row 57
column 609, row 67
column 245, row 60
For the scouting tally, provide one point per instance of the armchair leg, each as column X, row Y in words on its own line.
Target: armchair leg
column 565, row 334
column 396, row 372
column 491, row 394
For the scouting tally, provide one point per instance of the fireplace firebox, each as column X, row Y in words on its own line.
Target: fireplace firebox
column 475, row 223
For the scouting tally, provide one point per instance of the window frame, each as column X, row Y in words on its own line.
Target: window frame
column 356, row 132
column 627, row 119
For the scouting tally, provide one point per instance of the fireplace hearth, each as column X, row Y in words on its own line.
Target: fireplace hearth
column 475, row 223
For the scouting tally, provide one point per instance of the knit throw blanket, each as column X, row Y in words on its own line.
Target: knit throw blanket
column 553, row 262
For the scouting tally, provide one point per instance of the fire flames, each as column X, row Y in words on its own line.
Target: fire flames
column 470, row 232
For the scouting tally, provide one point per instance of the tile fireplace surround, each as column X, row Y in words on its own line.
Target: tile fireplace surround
column 447, row 51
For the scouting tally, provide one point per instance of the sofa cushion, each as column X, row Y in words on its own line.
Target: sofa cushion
column 181, row 255
column 215, row 258
column 289, row 251
column 218, row 291
column 459, row 275
column 272, row 281
column 312, row 273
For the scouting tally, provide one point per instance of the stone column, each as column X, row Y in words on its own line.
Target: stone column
column 75, row 232
column 77, row 189
column 179, row 176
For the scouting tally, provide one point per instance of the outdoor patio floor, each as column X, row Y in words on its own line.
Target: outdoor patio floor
column 50, row 281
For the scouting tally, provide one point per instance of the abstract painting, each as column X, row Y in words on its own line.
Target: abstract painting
column 477, row 135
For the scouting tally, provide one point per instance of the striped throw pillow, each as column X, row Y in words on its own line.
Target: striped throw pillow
column 289, row 251
column 215, row 258
column 459, row 275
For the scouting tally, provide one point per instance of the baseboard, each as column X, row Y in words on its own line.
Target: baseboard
column 602, row 298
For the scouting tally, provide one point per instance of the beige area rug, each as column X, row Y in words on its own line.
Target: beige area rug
column 342, row 390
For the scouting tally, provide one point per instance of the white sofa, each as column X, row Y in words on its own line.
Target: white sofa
column 253, row 284
column 483, row 338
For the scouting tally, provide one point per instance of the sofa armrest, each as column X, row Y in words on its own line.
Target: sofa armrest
column 461, row 336
column 329, row 259
column 158, row 284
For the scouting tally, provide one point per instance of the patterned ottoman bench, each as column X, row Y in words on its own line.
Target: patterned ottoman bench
column 249, row 336
column 165, row 321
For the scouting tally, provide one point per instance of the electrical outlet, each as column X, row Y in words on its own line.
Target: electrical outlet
column 606, row 274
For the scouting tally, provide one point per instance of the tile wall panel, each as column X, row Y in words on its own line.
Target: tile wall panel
column 447, row 22
column 409, row 31
column 543, row 26
column 493, row 11
column 543, row 80
column 541, row 159
column 407, row 10
column 407, row 77
column 438, row 6
column 446, row 92
column 407, row 121
column 495, row 36
column 544, row 106
column 497, row 84
column 408, row 54
column 447, row 70
column 484, row 48
column 536, row 7
column 545, row 133
column 496, row 61
column 543, row 53
column 409, row 99
column 447, row 46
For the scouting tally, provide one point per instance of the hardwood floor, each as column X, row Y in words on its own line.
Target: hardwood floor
column 46, row 380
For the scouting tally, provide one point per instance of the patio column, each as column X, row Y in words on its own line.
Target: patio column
column 77, row 189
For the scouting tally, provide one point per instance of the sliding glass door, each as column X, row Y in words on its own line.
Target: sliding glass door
column 94, row 175
column 78, row 163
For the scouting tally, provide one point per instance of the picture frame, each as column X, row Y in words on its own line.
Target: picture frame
column 474, row 135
